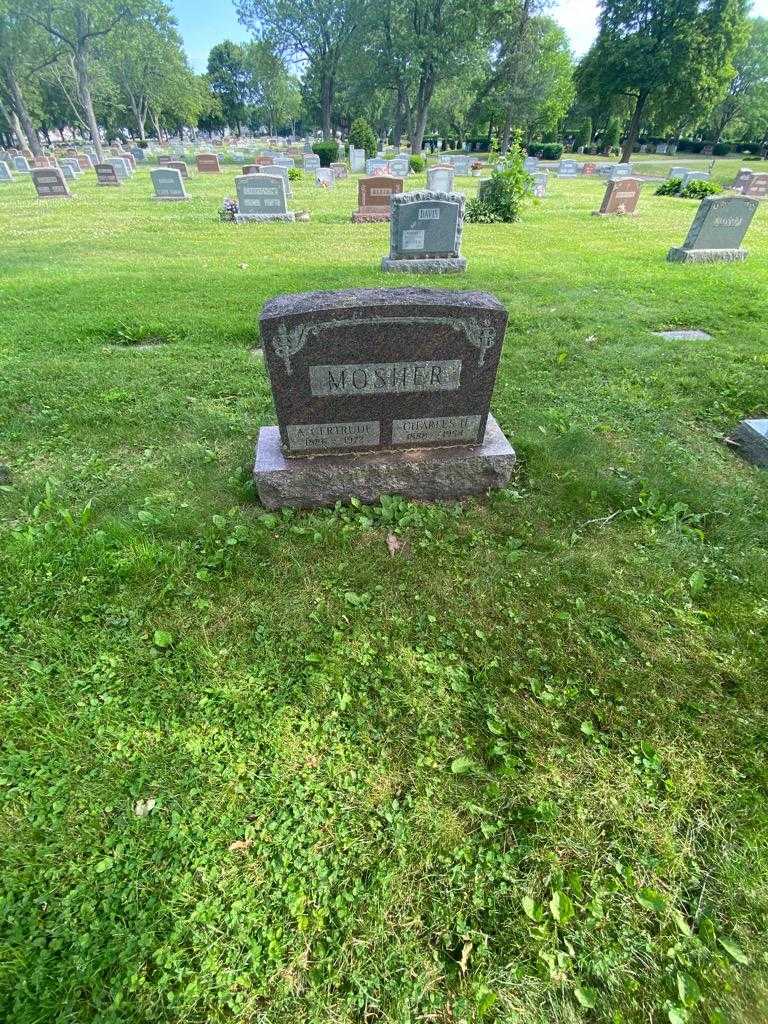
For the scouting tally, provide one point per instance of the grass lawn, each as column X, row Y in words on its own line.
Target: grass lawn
column 516, row 773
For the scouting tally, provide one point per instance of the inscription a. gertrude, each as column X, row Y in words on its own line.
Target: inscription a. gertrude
column 385, row 378
column 307, row 437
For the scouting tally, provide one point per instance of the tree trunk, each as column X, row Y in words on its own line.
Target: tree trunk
column 84, row 91
column 326, row 100
column 20, row 107
column 156, row 125
column 397, row 131
column 634, row 128
column 16, row 127
column 426, row 89
column 506, row 132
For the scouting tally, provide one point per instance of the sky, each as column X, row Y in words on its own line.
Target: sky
column 203, row 24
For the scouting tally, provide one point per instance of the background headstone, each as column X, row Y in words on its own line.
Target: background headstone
column 340, row 171
column 262, row 197
column 168, row 183
column 5, row 172
column 180, row 166
column 49, row 183
column 751, row 441
column 540, row 179
column 425, row 233
column 568, row 169
column 757, row 186
column 373, row 196
column 621, row 196
column 440, row 179
column 121, row 168
column 311, row 162
column 357, row 160
column 324, row 177
column 21, row 164
column 106, row 174
column 208, row 163
column 717, row 231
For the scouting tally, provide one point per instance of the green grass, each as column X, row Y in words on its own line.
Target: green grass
column 516, row 769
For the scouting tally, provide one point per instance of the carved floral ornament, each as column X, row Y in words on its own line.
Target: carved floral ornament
column 480, row 334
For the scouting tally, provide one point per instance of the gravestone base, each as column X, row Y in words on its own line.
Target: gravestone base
column 750, row 440
column 169, row 199
column 617, row 213
column 444, row 265
column 427, row 474
column 246, row 218
column 372, row 217
column 680, row 255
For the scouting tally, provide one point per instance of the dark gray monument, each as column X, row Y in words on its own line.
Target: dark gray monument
column 106, row 174
column 425, row 233
column 261, row 197
column 751, row 441
column 717, row 231
column 168, row 184
column 381, row 391
column 50, row 183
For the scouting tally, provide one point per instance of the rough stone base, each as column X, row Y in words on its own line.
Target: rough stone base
column 431, row 474
column 706, row 255
column 750, row 439
column 247, row 218
column 169, row 199
column 454, row 265
column 616, row 213
column 363, row 217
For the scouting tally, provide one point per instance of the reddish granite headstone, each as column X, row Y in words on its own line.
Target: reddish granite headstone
column 208, row 163
column 621, row 196
column 756, row 187
column 373, row 196
column 589, row 168
column 86, row 164
column 163, row 161
column 251, row 168
column 180, row 166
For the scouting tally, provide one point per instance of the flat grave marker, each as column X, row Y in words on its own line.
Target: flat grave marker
column 425, row 233
column 717, row 231
column 381, row 391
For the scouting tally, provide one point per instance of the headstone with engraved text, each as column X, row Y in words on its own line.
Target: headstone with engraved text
column 621, row 196
column 373, row 196
column 168, row 184
column 262, row 197
column 717, row 231
column 425, row 233
column 49, row 183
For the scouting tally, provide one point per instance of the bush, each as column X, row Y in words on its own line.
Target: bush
column 295, row 174
column 362, row 136
column 584, row 134
column 549, row 150
column 327, row 151
column 613, row 133
column 503, row 194
column 671, row 187
column 722, row 149
column 699, row 189
column 417, row 164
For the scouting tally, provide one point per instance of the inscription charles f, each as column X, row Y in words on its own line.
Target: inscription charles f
column 381, row 368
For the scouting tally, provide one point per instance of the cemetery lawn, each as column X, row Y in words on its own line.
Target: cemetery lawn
column 254, row 767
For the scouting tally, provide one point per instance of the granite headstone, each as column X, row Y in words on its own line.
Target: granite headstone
column 106, row 175
column 373, row 196
column 262, row 197
column 168, row 183
column 717, row 231
column 208, row 163
column 425, row 233
column 621, row 196
column 49, row 183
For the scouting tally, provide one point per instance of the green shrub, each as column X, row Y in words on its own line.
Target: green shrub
column 671, row 187
column 699, row 189
column 547, row 150
column 722, row 149
column 417, row 164
column 503, row 194
column 613, row 133
column 362, row 136
column 295, row 174
column 327, row 151
column 584, row 134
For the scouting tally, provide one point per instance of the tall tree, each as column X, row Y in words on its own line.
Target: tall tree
column 76, row 25
column 751, row 78
column 230, row 79
column 24, row 51
column 273, row 94
column 679, row 48
column 317, row 33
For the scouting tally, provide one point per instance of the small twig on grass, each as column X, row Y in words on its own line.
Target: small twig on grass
column 603, row 521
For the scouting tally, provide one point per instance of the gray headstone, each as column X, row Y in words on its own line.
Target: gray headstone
column 168, row 183
column 751, row 440
column 261, row 197
column 717, row 231
column 139, row 155
column 324, row 177
column 357, row 160
column 381, row 368
column 49, row 183
column 376, row 163
column 440, row 179
column 311, row 162
column 425, row 232
column 622, row 171
column 568, row 169
column 695, row 176
column 67, row 170
column 281, row 172
column 5, row 172
column 531, row 164
column 661, row 148
column 21, row 164
column 540, row 184
column 677, row 172
column 399, row 166
column 121, row 167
